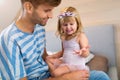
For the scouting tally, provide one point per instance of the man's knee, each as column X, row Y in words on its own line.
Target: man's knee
column 98, row 75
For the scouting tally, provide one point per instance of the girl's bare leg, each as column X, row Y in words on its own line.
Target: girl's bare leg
column 60, row 71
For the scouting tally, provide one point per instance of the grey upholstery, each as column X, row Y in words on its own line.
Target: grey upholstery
column 101, row 39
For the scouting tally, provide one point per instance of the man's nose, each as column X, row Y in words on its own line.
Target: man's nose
column 50, row 15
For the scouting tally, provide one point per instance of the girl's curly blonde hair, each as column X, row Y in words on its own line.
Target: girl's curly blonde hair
column 64, row 18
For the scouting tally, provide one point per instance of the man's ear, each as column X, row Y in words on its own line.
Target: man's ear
column 28, row 7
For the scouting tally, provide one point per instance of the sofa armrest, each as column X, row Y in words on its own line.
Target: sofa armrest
column 99, row 63
column 113, row 73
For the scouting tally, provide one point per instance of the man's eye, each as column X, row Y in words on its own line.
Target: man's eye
column 47, row 10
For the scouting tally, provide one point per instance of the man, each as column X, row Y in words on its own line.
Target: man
column 22, row 45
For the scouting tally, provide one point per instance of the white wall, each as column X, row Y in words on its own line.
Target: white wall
column 92, row 12
column 8, row 10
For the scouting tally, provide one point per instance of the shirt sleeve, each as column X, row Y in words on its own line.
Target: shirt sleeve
column 12, row 66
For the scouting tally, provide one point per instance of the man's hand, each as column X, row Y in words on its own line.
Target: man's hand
column 75, row 75
column 25, row 78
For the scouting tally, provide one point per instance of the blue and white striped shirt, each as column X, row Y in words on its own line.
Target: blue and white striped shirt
column 21, row 53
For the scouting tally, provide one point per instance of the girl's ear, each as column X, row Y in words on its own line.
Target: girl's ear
column 28, row 7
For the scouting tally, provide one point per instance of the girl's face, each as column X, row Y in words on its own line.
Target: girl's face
column 69, row 27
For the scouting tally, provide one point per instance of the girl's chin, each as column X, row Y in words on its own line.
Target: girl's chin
column 69, row 34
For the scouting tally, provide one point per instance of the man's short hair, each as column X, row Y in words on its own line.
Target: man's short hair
column 36, row 3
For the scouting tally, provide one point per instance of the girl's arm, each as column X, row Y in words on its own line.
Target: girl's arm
column 57, row 55
column 60, row 53
column 84, row 44
column 52, row 59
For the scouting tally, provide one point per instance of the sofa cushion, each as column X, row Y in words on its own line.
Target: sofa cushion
column 98, row 63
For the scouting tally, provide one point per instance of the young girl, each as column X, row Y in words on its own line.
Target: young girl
column 75, row 46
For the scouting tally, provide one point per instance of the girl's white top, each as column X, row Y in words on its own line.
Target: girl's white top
column 69, row 56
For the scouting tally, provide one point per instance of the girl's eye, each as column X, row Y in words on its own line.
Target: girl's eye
column 64, row 24
column 71, row 23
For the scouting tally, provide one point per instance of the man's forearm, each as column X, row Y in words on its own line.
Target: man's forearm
column 57, row 78
column 25, row 78
column 75, row 75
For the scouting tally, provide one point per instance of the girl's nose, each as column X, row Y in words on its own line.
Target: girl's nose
column 68, row 26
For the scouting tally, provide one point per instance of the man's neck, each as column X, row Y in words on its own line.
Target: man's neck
column 25, row 25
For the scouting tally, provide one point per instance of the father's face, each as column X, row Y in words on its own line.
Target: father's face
column 42, row 13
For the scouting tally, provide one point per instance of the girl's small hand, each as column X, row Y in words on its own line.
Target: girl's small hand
column 84, row 49
column 79, row 52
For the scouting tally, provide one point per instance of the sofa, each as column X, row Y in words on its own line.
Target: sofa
column 102, row 45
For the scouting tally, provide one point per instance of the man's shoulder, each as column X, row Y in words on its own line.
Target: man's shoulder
column 7, row 32
column 8, row 29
